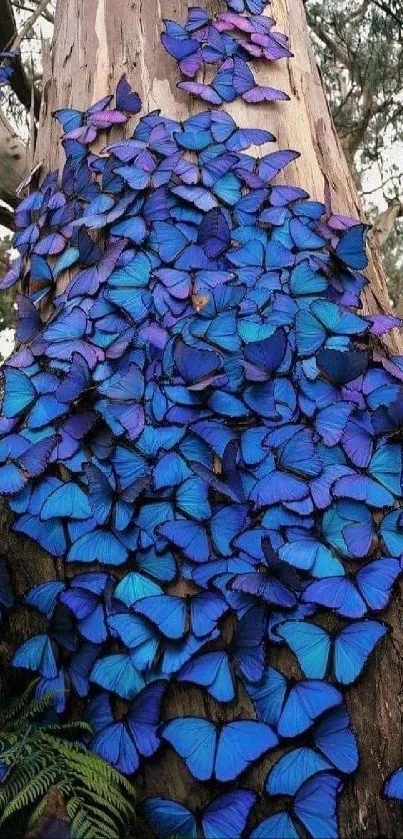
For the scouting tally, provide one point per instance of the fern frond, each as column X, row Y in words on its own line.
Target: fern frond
column 17, row 706
column 99, row 801
column 29, row 794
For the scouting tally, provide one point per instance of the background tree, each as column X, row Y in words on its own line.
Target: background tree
column 358, row 45
column 91, row 49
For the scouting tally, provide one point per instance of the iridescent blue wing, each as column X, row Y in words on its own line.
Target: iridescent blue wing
column 239, row 745
column 189, row 536
column 247, row 645
column 315, row 805
column 19, row 392
column 98, row 546
column 393, row 787
column 211, row 671
column 167, row 612
column 144, row 717
column 310, row 644
column 268, row 695
column 335, row 739
column 227, row 814
column 68, row 501
column 351, row 247
column 116, row 673
column 195, row 740
column 279, row 826
column 168, row 819
column 352, row 648
column 376, row 580
column 44, row 597
column 293, row 769
column 37, row 654
column 306, row 701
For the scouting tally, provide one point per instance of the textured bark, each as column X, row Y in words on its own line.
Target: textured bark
column 97, row 40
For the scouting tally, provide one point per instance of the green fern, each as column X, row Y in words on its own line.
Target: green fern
column 36, row 758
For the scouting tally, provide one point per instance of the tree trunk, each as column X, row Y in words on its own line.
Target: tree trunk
column 96, row 41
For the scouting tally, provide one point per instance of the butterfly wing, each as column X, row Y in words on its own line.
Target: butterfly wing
column 194, row 739
column 211, row 671
column 376, row 580
column 336, row 741
column 293, row 769
column 315, row 805
column 279, row 826
column 117, row 674
column 241, row 743
column 144, row 716
column 168, row 819
column 353, row 646
column 306, row 702
column 227, row 814
column 351, row 247
column 310, row 644
column 167, row 612
column 394, row 785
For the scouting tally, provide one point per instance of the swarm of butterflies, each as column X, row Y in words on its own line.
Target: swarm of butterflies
column 204, row 405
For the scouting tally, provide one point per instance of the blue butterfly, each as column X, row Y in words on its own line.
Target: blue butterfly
column 37, row 654
column 105, row 502
column 351, row 247
column 371, row 589
column 314, row 805
column 88, row 598
column 292, row 709
column 98, row 546
column 124, row 743
column 19, row 392
column 393, row 787
column 247, row 646
column 293, row 769
column 117, row 673
column 188, row 536
column 225, row 815
column 44, row 597
column 279, row 826
column 67, row 501
column 211, row 671
column 172, row 614
column 333, row 737
column 346, row 655
column 224, row 752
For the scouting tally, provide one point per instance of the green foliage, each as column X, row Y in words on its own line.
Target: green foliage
column 37, row 757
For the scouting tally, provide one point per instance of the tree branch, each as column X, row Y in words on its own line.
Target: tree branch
column 20, row 83
column 46, row 14
column 25, row 29
column 385, row 222
column 6, row 217
column 326, row 39
column 385, row 7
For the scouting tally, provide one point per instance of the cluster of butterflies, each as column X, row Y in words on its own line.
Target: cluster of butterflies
column 204, row 404
column 228, row 43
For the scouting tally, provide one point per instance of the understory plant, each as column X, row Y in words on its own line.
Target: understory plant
column 39, row 757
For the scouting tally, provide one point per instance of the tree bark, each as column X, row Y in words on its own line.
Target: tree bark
column 95, row 41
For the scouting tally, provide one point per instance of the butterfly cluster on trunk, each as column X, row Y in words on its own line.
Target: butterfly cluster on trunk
column 204, row 404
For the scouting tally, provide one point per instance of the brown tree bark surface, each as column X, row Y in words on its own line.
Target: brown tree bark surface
column 96, row 41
